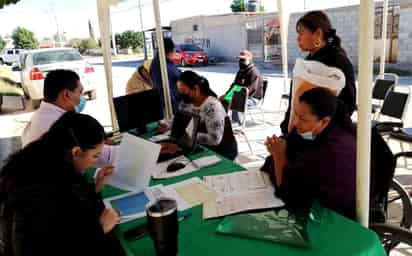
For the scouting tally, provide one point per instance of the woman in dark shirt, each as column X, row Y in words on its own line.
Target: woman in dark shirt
column 46, row 205
column 317, row 160
column 316, row 36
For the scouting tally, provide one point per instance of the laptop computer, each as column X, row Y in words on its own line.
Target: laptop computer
column 184, row 133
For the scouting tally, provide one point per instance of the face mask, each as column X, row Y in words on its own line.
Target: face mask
column 186, row 98
column 307, row 135
column 79, row 108
column 243, row 63
column 82, row 104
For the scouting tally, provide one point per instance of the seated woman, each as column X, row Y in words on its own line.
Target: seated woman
column 47, row 206
column 215, row 131
column 317, row 160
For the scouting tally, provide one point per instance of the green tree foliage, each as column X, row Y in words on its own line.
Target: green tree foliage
column 24, row 39
column 129, row 39
column 2, row 43
column 86, row 44
column 238, row 6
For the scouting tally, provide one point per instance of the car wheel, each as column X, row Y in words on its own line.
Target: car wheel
column 1, row 62
column 92, row 95
column 182, row 62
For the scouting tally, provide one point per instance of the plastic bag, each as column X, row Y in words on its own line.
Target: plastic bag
column 309, row 74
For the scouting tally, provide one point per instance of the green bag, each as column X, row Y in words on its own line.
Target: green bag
column 275, row 225
column 229, row 95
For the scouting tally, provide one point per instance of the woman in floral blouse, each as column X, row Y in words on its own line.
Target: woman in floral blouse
column 215, row 131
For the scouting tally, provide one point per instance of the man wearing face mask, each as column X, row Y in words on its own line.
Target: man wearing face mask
column 317, row 159
column 247, row 76
column 62, row 92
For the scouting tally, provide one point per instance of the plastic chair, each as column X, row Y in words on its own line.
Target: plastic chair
column 259, row 107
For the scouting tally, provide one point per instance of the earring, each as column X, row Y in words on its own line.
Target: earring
column 317, row 43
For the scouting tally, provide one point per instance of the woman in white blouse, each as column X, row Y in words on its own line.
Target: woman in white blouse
column 215, row 131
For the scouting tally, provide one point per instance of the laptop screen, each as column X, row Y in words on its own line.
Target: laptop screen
column 184, row 129
column 138, row 109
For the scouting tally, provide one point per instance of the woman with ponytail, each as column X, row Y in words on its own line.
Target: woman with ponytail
column 317, row 37
column 215, row 131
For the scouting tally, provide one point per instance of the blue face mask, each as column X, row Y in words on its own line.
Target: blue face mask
column 82, row 104
column 307, row 135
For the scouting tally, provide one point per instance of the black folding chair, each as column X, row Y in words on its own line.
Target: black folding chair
column 386, row 192
column 239, row 104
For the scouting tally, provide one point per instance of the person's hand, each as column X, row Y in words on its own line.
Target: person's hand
column 109, row 219
column 169, row 148
column 101, row 177
column 162, row 128
column 275, row 146
column 110, row 141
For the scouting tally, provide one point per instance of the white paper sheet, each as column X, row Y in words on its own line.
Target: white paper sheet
column 206, row 161
column 238, row 192
column 135, row 159
column 192, row 191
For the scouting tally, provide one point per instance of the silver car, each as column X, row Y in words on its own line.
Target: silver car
column 36, row 64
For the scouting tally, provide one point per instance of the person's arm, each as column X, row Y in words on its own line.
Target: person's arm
column 214, row 118
column 253, row 83
column 299, row 182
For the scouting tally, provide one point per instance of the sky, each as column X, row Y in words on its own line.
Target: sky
column 46, row 17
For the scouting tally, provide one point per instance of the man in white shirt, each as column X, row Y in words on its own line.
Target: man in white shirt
column 62, row 92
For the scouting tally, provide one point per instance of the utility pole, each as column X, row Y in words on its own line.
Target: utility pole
column 141, row 29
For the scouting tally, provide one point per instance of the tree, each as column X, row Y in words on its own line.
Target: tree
column 24, row 39
column 86, row 44
column 2, row 43
column 261, row 8
column 238, row 6
column 129, row 39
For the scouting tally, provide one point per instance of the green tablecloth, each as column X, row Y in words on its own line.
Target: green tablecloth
column 337, row 235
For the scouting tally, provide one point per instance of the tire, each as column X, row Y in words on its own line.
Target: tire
column 402, row 196
column 92, row 95
column 391, row 235
column 1, row 61
column 182, row 62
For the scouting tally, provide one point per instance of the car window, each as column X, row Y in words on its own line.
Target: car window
column 17, row 52
column 49, row 57
column 10, row 52
column 191, row 48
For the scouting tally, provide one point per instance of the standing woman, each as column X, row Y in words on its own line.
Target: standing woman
column 215, row 131
column 47, row 207
column 317, row 36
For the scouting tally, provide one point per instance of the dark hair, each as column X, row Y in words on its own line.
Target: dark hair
column 74, row 129
column 58, row 80
column 314, row 20
column 169, row 45
column 191, row 79
column 323, row 103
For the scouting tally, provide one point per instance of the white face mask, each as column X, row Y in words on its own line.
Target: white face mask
column 307, row 135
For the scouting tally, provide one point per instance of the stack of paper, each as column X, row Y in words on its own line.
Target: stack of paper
column 238, row 192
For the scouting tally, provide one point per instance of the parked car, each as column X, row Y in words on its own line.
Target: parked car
column 35, row 65
column 10, row 56
column 190, row 54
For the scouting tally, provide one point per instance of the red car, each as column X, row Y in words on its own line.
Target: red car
column 190, row 54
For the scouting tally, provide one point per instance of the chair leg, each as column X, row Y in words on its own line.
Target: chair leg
column 403, row 150
column 247, row 141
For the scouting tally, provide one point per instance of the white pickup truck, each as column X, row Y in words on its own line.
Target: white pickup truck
column 10, row 56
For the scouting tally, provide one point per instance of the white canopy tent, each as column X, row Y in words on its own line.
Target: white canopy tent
column 103, row 7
